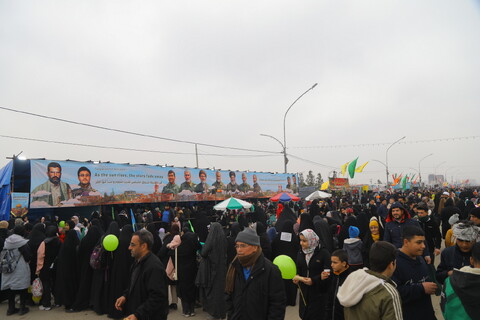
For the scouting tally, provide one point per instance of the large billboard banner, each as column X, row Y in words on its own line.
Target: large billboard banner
column 70, row 183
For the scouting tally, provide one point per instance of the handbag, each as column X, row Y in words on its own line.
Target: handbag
column 171, row 270
column 37, row 287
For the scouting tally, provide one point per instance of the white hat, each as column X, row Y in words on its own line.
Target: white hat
column 445, row 193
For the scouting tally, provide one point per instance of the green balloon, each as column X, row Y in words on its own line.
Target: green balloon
column 110, row 242
column 286, row 265
column 61, row 224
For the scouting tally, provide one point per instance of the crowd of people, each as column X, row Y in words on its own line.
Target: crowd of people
column 357, row 256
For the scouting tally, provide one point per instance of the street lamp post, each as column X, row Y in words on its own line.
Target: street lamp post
column 436, row 169
column 419, row 171
column 285, row 159
column 284, row 150
column 386, row 156
column 446, row 172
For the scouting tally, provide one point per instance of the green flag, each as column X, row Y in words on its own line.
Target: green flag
column 404, row 182
column 351, row 168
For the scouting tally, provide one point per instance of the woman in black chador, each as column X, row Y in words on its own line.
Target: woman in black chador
column 85, row 249
column 66, row 285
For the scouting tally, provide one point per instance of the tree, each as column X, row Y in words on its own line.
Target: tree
column 318, row 180
column 310, row 180
column 301, row 180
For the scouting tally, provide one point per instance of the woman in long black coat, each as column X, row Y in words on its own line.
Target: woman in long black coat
column 212, row 272
column 231, row 251
column 311, row 262
column 286, row 243
column 85, row 249
column 99, row 298
column 36, row 236
column 66, row 285
column 164, row 255
column 120, row 275
column 187, row 270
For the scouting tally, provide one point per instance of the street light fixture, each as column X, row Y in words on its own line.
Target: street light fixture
column 285, row 159
column 386, row 156
column 284, row 150
column 419, row 171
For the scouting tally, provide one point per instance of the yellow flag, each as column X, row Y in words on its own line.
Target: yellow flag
column 360, row 169
column 344, row 168
column 325, row 185
column 365, row 188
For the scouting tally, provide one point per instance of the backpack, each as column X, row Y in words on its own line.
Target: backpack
column 8, row 261
column 98, row 260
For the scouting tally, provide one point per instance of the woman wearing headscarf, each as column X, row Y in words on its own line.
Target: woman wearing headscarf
column 120, row 275
column 374, row 234
column 66, row 284
column 46, row 255
column 286, row 243
column 286, row 214
column 264, row 240
column 36, row 236
column 17, row 281
column 231, row 251
column 187, row 270
column 157, row 242
column 99, row 297
column 324, row 232
column 82, row 300
column 212, row 272
column 306, row 222
column 312, row 260
column 164, row 255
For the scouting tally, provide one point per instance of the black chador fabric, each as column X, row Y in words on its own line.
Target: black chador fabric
column 289, row 246
column 122, row 261
column 212, row 272
column 200, row 225
column 231, row 251
column 85, row 249
column 187, row 266
column 306, row 222
column 324, row 233
column 286, row 214
column 157, row 242
column 67, row 270
column 36, row 236
column 102, row 278
column 264, row 240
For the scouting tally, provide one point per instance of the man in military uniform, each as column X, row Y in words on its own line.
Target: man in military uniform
column 256, row 186
column 232, row 186
column 57, row 190
column 171, row 187
column 294, row 185
column 218, row 184
column 244, row 187
column 289, row 184
column 84, row 186
column 188, row 184
column 202, row 187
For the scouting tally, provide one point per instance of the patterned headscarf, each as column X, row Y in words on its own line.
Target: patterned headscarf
column 313, row 242
column 465, row 231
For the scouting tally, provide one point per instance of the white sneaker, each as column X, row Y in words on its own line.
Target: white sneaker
column 40, row 307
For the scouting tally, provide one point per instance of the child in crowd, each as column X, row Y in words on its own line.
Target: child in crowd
column 354, row 247
column 341, row 271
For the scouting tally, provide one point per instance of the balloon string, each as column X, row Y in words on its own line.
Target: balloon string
column 301, row 294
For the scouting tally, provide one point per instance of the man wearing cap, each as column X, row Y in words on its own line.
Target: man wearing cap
column 458, row 256
column 254, row 285
column 475, row 216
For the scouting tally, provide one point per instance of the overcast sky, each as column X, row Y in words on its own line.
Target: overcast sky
column 223, row 72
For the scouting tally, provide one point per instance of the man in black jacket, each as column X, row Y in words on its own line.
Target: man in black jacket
column 146, row 297
column 254, row 285
column 433, row 237
column 412, row 277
